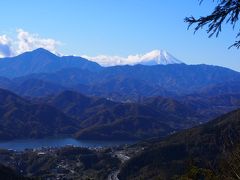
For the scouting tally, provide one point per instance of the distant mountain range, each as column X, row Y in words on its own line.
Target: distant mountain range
column 73, row 114
column 40, row 73
column 82, row 99
column 96, row 118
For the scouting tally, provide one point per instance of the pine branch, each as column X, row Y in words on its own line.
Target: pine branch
column 226, row 11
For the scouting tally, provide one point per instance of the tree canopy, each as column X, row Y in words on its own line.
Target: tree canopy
column 226, row 11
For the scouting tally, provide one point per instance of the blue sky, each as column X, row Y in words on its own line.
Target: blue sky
column 114, row 27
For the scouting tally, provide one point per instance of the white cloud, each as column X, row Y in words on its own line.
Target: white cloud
column 29, row 42
column 150, row 58
column 5, row 46
column 106, row 60
column 25, row 41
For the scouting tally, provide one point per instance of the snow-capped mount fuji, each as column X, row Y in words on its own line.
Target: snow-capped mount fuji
column 158, row 57
column 154, row 57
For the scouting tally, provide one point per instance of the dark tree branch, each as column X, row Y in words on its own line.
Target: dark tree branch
column 226, row 11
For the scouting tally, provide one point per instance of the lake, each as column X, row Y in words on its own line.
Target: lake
column 20, row 145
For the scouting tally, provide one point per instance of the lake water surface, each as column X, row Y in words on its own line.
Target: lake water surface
column 22, row 144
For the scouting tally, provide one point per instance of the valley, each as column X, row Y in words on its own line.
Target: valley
column 67, row 117
column 120, row 90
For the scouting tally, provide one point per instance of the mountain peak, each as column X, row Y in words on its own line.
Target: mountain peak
column 38, row 54
column 156, row 57
column 41, row 51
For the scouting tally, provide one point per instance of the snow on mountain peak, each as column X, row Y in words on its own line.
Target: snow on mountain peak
column 154, row 57
column 159, row 57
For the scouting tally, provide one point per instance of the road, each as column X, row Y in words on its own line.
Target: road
column 113, row 175
column 122, row 157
